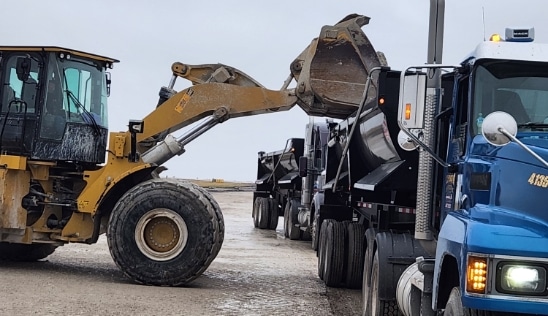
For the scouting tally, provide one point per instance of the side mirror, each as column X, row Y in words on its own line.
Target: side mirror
column 412, row 100
column 23, row 68
column 494, row 123
column 303, row 166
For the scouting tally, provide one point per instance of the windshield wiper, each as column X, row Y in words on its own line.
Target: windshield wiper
column 86, row 115
column 533, row 125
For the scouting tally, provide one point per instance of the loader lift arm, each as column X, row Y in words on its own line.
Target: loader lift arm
column 127, row 196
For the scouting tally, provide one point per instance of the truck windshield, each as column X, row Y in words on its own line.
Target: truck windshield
column 76, row 93
column 518, row 88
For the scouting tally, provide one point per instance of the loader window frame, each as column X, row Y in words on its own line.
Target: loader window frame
column 15, row 91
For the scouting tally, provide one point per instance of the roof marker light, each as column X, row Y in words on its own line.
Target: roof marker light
column 495, row 38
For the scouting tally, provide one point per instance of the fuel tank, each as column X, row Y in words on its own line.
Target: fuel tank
column 331, row 72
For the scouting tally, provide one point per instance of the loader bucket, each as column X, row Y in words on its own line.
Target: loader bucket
column 332, row 71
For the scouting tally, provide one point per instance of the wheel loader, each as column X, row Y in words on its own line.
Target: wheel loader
column 65, row 179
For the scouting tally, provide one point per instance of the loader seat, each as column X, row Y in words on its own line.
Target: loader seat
column 510, row 102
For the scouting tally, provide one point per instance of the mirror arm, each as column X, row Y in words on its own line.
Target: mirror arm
column 527, row 149
column 423, row 146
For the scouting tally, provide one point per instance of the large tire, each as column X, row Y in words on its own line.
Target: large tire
column 315, row 230
column 263, row 213
column 290, row 217
column 355, row 255
column 165, row 232
column 25, row 252
column 334, row 254
column 273, row 214
column 370, row 235
column 220, row 230
column 322, row 247
column 255, row 212
column 377, row 306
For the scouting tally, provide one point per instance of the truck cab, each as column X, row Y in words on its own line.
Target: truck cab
column 493, row 223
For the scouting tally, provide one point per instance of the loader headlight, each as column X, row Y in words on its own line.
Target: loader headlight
column 521, row 278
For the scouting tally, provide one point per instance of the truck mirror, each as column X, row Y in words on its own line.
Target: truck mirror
column 23, row 68
column 303, row 166
column 493, row 125
column 412, row 100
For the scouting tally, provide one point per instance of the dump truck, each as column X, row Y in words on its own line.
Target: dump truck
column 281, row 190
column 66, row 178
column 433, row 194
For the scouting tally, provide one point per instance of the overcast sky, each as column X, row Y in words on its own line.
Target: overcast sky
column 260, row 38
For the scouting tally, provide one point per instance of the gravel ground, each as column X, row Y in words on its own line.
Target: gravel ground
column 257, row 272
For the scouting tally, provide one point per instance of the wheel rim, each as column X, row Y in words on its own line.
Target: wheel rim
column 161, row 234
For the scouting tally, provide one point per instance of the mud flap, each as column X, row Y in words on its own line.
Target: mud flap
column 396, row 253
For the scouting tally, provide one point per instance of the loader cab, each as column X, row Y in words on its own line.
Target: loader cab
column 53, row 104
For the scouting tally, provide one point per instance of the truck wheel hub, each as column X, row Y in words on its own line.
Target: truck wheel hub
column 161, row 234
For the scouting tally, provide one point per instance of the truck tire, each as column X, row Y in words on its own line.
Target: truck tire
column 255, row 212
column 378, row 307
column 355, row 255
column 290, row 218
column 321, row 247
column 25, row 252
column 454, row 307
column 263, row 214
column 334, row 254
column 165, row 232
column 314, row 230
column 370, row 234
column 273, row 214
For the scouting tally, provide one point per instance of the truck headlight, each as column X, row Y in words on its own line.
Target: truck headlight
column 522, row 279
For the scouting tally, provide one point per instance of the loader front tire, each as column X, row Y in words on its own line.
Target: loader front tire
column 24, row 252
column 165, row 232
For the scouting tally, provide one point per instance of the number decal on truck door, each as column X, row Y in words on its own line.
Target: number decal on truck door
column 538, row 180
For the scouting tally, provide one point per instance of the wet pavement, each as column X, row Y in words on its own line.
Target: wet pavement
column 257, row 272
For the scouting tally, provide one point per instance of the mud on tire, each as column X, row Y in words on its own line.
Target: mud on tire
column 165, row 232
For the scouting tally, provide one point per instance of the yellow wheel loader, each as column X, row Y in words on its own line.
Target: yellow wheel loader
column 64, row 178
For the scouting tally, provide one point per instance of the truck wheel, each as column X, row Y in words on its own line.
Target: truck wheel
column 355, row 255
column 321, row 247
column 25, row 252
column 290, row 217
column 314, row 230
column 255, row 213
column 334, row 254
column 273, row 214
column 165, row 232
column 264, row 211
column 377, row 306
column 367, row 263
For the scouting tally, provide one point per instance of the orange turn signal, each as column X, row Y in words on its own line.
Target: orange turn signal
column 408, row 111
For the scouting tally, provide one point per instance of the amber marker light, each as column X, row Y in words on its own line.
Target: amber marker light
column 381, row 101
column 495, row 38
column 408, row 111
column 476, row 276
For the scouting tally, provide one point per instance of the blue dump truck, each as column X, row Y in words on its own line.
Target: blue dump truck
column 433, row 197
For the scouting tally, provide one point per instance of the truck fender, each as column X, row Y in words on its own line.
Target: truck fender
column 396, row 252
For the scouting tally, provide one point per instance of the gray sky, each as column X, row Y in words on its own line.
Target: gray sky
column 260, row 38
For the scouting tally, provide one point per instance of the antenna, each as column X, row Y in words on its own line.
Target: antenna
column 483, row 20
